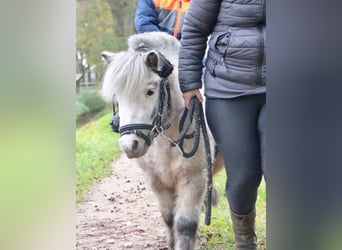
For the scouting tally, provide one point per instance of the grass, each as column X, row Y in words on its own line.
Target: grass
column 96, row 147
column 219, row 234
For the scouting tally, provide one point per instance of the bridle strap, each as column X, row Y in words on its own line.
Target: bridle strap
column 124, row 128
column 129, row 127
column 146, row 138
column 164, row 103
column 135, row 129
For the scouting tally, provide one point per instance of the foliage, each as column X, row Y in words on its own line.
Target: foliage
column 96, row 33
column 219, row 234
column 96, row 147
column 91, row 98
column 81, row 109
column 88, row 103
column 123, row 12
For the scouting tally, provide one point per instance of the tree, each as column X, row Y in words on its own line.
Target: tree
column 123, row 12
column 103, row 25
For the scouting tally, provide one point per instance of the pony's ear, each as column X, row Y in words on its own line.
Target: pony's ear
column 107, row 56
column 158, row 63
column 151, row 59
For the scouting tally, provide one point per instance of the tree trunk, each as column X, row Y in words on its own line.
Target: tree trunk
column 123, row 12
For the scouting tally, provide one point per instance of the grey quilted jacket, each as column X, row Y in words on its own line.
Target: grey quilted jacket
column 235, row 63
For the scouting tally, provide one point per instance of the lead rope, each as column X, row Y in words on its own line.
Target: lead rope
column 209, row 167
column 209, row 161
column 196, row 109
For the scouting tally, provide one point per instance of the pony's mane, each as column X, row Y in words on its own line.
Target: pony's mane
column 124, row 74
column 160, row 41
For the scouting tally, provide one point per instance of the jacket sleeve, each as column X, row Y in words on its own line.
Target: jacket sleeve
column 198, row 24
column 146, row 17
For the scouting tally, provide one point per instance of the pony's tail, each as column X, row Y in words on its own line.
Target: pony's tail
column 218, row 163
column 217, row 167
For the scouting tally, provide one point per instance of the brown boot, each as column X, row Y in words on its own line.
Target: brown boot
column 244, row 230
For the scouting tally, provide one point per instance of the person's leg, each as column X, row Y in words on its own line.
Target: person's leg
column 234, row 124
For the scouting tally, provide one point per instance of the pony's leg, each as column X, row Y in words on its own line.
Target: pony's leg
column 167, row 203
column 166, row 198
column 189, row 202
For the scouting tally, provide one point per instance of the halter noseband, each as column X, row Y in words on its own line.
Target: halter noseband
column 163, row 106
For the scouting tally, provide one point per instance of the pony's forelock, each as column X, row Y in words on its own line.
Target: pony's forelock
column 116, row 79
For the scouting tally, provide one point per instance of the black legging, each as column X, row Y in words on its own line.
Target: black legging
column 238, row 126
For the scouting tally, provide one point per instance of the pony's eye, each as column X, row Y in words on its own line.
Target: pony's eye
column 150, row 92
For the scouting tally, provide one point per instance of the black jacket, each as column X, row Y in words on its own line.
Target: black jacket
column 235, row 61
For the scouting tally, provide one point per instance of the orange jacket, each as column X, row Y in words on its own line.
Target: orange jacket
column 161, row 15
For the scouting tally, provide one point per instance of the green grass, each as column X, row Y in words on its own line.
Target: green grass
column 96, row 147
column 219, row 234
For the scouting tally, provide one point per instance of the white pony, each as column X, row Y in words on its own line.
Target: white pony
column 144, row 82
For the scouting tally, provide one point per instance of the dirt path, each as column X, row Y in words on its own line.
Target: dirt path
column 120, row 212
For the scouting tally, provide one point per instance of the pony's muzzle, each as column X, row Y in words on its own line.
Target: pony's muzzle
column 133, row 146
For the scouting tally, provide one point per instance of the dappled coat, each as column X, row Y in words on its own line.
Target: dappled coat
column 235, row 63
column 161, row 15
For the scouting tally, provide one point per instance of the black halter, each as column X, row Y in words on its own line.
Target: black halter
column 163, row 106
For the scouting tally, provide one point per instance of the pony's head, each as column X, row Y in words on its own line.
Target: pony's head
column 138, row 79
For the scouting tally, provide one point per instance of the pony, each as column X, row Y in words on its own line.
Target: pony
column 143, row 80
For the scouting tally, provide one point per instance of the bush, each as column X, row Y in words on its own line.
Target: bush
column 81, row 109
column 91, row 98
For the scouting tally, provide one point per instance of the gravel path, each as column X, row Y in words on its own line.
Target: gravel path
column 120, row 212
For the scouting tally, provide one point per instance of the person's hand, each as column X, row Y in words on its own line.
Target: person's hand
column 188, row 94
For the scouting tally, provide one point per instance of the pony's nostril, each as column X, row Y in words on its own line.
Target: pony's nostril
column 135, row 145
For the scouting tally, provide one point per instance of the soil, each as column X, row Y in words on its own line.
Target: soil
column 120, row 212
